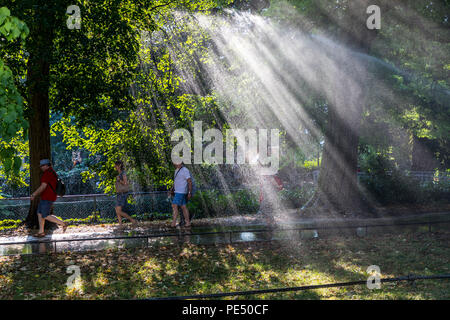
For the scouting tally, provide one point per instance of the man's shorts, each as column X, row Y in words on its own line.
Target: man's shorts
column 121, row 199
column 180, row 199
column 44, row 208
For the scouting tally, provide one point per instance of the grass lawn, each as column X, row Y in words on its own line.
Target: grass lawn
column 193, row 269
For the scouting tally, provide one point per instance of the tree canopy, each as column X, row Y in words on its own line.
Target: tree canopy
column 136, row 70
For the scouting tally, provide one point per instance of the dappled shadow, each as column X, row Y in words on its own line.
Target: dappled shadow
column 346, row 259
column 185, row 269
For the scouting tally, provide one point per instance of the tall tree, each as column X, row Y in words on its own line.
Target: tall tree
column 338, row 174
column 346, row 22
column 84, row 73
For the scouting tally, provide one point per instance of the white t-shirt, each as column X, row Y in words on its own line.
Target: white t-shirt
column 180, row 183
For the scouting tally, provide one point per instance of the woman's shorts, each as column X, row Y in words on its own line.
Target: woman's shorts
column 180, row 199
column 121, row 199
column 44, row 208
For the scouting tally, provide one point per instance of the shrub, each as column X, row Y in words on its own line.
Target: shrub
column 391, row 187
column 384, row 182
column 296, row 197
column 311, row 164
column 398, row 187
column 213, row 204
column 436, row 191
column 9, row 224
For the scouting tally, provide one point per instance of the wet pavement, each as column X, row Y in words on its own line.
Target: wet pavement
column 286, row 229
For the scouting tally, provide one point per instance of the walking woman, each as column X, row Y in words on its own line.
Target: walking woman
column 122, row 188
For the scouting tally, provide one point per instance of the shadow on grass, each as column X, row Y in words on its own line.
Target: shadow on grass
column 187, row 269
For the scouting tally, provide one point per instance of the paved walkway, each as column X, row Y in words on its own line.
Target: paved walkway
column 230, row 232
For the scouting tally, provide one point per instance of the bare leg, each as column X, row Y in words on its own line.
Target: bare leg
column 175, row 215
column 118, row 215
column 186, row 216
column 55, row 220
column 124, row 215
column 41, row 223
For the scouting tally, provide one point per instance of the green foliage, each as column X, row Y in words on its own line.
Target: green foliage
column 387, row 184
column 91, row 72
column 214, row 204
column 414, row 67
column 9, row 224
column 409, row 87
column 89, row 220
column 311, row 164
column 11, row 102
column 436, row 191
column 297, row 197
column 391, row 188
column 141, row 136
column 11, row 27
column 121, row 84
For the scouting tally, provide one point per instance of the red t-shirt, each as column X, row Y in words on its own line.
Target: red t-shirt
column 49, row 177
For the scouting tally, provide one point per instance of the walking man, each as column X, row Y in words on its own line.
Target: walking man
column 182, row 193
column 48, row 195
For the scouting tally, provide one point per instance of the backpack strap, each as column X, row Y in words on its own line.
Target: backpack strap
column 177, row 173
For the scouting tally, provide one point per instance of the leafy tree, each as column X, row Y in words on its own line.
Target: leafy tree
column 345, row 21
column 11, row 102
column 164, row 101
column 84, row 73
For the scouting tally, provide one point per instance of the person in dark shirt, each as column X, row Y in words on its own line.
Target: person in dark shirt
column 48, row 195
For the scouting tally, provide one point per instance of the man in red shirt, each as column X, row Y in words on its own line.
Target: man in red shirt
column 48, row 195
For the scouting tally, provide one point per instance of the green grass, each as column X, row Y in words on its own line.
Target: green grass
column 193, row 269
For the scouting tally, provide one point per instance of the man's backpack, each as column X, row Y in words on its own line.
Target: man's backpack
column 60, row 186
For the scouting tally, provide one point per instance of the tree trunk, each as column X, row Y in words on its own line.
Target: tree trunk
column 338, row 174
column 38, row 83
column 338, row 187
column 39, row 138
column 422, row 158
